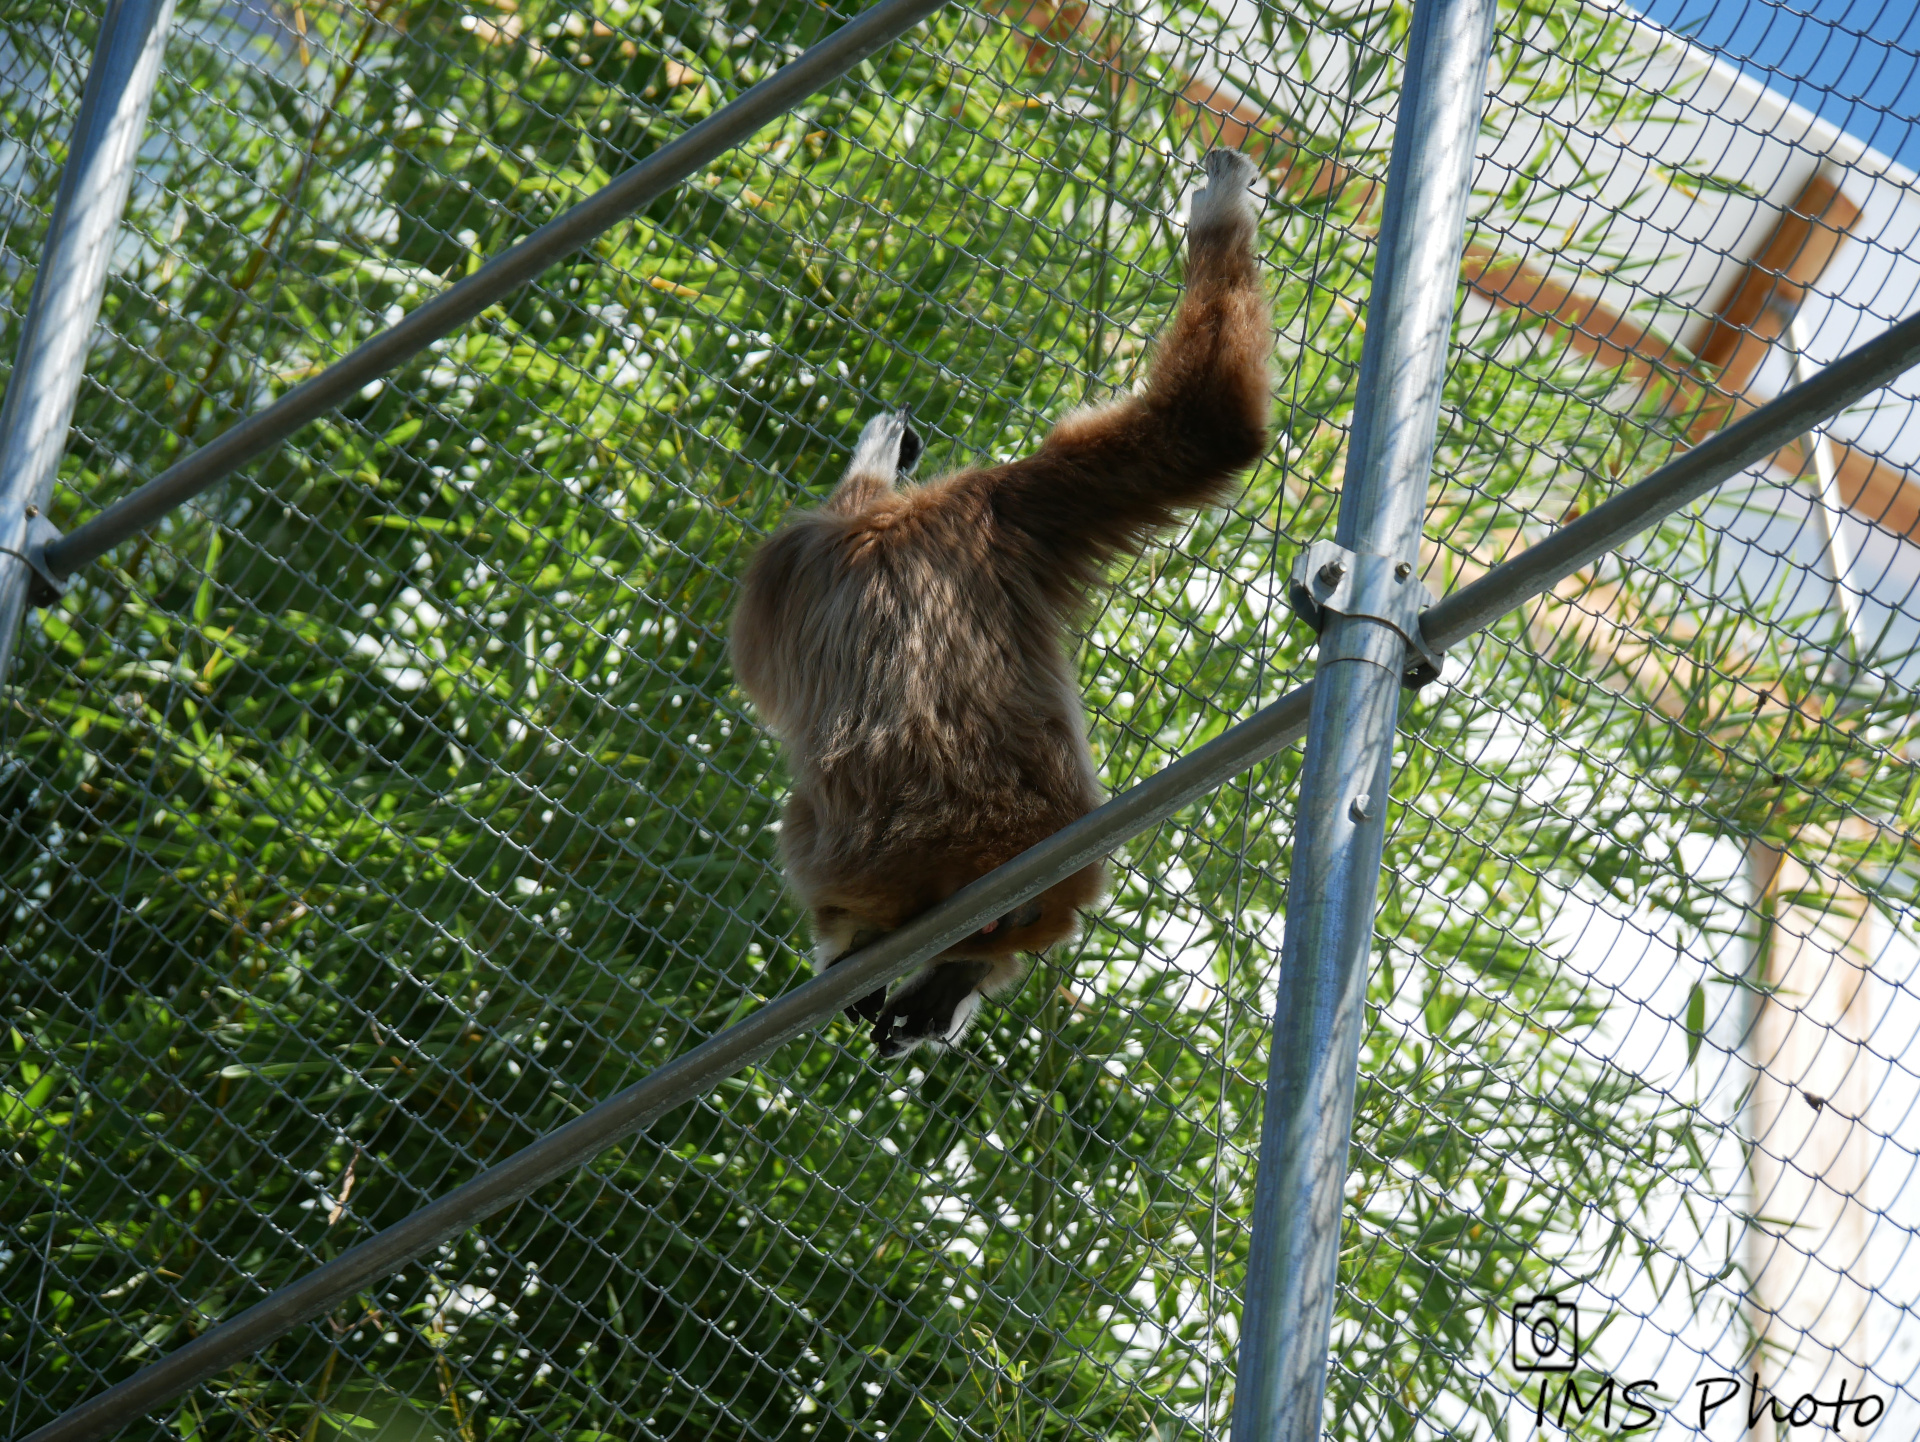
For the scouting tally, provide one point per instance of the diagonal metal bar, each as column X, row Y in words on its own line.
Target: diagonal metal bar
column 639, row 186
column 1132, row 812
column 67, row 288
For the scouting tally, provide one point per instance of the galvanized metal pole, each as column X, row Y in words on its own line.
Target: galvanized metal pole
column 1341, row 827
column 68, row 286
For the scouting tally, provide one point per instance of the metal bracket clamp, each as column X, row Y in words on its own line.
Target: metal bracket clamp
column 1328, row 577
column 43, row 587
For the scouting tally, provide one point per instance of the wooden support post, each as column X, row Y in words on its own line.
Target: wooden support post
column 1808, row 1145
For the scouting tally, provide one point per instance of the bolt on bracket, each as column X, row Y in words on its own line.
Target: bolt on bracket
column 1328, row 577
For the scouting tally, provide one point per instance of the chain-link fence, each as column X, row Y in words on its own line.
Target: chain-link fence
column 395, row 804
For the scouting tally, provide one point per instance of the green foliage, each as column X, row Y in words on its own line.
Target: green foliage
column 396, row 805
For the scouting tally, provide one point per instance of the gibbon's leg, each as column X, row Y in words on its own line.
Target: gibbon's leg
column 937, row 1003
column 887, row 449
column 1105, row 478
column 935, row 1006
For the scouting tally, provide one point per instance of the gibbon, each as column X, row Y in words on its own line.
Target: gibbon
column 909, row 645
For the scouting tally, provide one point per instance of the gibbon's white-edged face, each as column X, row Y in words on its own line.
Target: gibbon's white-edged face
column 888, row 447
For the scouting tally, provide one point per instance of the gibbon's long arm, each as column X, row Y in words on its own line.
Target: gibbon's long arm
column 1104, row 479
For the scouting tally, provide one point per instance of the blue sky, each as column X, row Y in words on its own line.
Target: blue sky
column 1854, row 62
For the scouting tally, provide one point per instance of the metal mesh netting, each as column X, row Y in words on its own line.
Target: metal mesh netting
column 395, row 804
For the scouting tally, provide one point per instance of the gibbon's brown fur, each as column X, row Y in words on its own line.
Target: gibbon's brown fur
column 909, row 645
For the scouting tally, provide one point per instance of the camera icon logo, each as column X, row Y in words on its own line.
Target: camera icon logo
column 1546, row 1335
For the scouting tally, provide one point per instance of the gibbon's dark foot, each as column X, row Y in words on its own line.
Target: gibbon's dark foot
column 936, row 1010
column 866, row 1010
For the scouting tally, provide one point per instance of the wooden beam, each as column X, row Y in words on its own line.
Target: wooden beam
column 1759, row 305
column 1586, row 325
column 1871, row 488
column 1772, row 285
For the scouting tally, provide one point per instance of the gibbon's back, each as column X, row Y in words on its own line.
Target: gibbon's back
column 904, row 654
column 909, row 646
